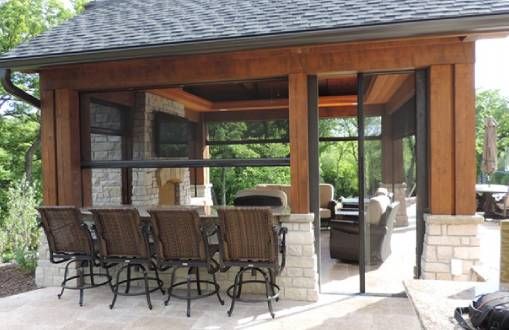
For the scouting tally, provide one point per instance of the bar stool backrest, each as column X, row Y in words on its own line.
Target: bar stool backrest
column 247, row 234
column 64, row 231
column 177, row 234
column 120, row 233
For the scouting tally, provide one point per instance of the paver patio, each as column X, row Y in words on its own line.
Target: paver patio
column 40, row 309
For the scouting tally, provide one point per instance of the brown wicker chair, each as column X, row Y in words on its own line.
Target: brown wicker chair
column 70, row 241
column 181, row 241
column 248, row 238
column 123, row 239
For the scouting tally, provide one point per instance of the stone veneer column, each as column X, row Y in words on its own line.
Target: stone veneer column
column 450, row 237
column 46, row 273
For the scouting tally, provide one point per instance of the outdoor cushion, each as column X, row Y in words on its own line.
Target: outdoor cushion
column 326, row 194
column 325, row 213
column 261, row 196
column 376, row 208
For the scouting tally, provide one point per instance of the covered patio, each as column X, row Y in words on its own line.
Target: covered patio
column 131, row 121
column 39, row 309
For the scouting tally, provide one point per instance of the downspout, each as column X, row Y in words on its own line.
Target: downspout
column 8, row 85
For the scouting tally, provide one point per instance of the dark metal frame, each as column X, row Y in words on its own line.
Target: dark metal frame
column 361, row 173
column 193, row 267
column 89, row 260
column 421, row 138
column 314, row 161
column 190, row 163
column 138, row 262
column 421, row 95
column 271, row 288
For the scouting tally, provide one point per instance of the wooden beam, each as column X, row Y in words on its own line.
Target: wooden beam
column 190, row 101
column 245, row 115
column 155, row 73
column 68, row 147
column 382, row 87
column 441, row 140
column 299, row 156
column 404, row 93
column 48, row 149
column 464, row 139
column 250, row 105
column 202, row 105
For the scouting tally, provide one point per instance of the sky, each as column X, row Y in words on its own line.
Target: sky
column 492, row 64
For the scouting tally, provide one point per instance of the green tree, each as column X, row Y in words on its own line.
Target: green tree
column 493, row 103
column 21, row 20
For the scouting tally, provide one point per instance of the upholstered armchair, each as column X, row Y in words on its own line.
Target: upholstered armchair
column 345, row 235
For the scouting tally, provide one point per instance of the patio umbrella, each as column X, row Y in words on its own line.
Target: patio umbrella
column 489, row 155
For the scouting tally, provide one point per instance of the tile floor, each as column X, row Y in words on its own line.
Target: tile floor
column 40, row 309
column 340, row 277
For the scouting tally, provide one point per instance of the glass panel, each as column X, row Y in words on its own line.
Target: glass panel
column 339, row 272
column 389, row 181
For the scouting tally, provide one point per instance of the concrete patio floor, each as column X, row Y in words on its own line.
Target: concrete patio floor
column 40, row 309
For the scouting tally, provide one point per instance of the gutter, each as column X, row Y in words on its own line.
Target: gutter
column 424, row 28
column 8, row 85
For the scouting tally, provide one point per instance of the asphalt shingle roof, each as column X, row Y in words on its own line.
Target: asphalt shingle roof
column 112, row 24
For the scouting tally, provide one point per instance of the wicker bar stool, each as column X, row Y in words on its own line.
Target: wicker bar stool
column 248, row 238
column 181, row 241
column 123, row 240
column 70, row 241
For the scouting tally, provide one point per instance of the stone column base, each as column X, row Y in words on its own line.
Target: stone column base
column 451, row 247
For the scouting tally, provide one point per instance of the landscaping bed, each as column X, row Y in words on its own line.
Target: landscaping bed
column 13, row 280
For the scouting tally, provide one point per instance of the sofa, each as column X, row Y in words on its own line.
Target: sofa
column 345, row 235
column 328, row 205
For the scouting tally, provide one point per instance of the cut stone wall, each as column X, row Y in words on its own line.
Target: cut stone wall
column 145, row 183
column 450, row 239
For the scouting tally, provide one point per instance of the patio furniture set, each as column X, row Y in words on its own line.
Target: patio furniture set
column 127, row 239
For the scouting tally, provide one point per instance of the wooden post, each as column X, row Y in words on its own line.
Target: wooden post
column 48, row 148
column 441, row 140
column 67, row 130
column 299, row 156
column 464, row 138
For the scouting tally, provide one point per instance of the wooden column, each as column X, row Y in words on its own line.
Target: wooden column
column 86, row 152
column 299, row 156
column 67, row 130
column 452, row 160
column 441, row 140
column 48, row 148
column 464, row 138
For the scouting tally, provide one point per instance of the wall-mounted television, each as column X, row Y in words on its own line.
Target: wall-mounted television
column 172, row 136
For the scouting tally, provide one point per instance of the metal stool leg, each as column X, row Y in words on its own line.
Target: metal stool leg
column 234, row 295
column 268, row 292
column 116, row 285
column 188, row 295
column 217, row 289
column 128, row 283
column 170, row 289
column 147, row 289
column 198, row 286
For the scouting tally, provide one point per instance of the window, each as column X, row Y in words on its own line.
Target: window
column 172, row 136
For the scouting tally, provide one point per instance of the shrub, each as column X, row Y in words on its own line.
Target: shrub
column 21, row 224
